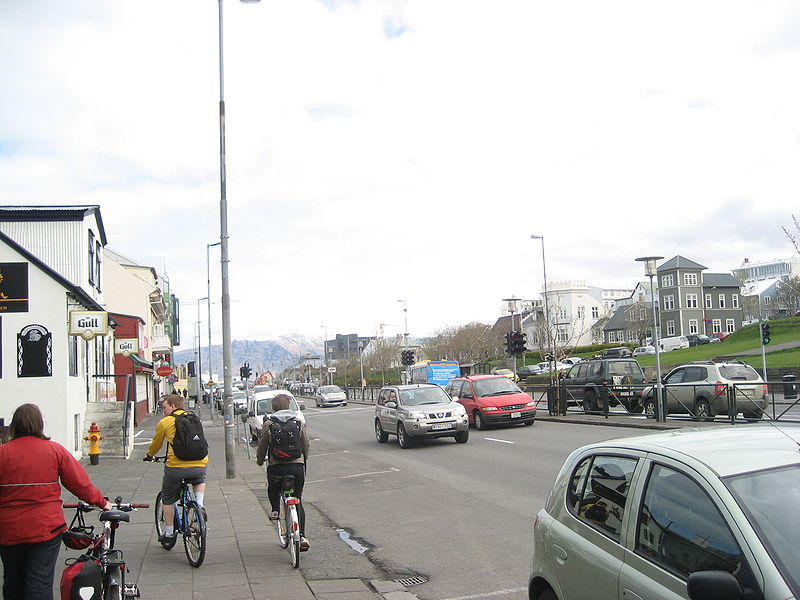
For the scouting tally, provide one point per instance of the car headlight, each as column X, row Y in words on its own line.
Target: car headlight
column 531, row 403
column 417, row 415
column 489, row 408
column 459, row 411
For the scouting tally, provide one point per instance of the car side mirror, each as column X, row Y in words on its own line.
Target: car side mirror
column 251, row 414
column 467, row 396
column 391, row 404
column 713, row 585
column 302, row 407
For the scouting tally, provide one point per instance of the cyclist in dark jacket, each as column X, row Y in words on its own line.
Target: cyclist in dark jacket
column 31, row 517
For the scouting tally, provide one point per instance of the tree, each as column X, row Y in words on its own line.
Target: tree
column 794, row 237
column 638, row 321
column 465, row 343
column 787, row 296
column 384, row 356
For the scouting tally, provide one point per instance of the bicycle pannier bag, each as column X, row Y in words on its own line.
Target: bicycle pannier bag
column 189, row 442
column 285, row 440
column 82, row 579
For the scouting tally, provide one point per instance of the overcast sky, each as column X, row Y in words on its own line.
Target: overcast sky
column 407, row 149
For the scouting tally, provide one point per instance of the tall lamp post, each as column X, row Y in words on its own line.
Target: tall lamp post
column 325, row 353
column 405, row 332
column 201, row 391
column 551, row 350
column 650, row 270
column 227, row 360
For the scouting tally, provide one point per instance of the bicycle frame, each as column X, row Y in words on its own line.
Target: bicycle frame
column 288, row 522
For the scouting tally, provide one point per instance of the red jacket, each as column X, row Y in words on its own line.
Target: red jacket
column 30, row 493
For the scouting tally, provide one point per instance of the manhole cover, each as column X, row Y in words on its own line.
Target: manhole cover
column 408, row 581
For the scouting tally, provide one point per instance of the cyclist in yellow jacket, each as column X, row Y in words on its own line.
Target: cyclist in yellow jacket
column 175, row 469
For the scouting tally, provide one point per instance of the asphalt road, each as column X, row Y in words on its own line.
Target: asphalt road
column 459, row 516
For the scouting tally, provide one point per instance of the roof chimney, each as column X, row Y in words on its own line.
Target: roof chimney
column 746, row 260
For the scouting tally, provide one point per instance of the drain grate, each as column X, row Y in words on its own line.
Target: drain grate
column 408, row 581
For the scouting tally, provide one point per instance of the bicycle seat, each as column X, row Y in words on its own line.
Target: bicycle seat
column 287, row 483
column 114, row 516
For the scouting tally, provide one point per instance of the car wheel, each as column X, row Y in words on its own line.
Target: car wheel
column 528, row 423
column 380, row 434
column 702, row 410
column 589, row 401
column 548, row 594
column 344, row 404
column 480, row 424
column 402, row 437
column 650, row 407
column 462, row 436
column 752, row 416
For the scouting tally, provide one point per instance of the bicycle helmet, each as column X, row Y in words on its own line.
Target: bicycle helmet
column 78, row 538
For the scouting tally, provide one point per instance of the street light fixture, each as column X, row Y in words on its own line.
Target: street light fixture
column 227, row 360
column 550, row 347
column 651, row 270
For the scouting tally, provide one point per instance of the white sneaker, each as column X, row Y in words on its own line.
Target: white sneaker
column 273, row 516
column 304, row 545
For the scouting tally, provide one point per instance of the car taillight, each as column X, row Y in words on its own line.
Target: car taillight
column 766, row 390
column 719, row 388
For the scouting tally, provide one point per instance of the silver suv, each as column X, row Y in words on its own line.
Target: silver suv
column 702, row 388
column 418, row 411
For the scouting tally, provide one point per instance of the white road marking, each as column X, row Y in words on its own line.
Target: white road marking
column 489, row 594
column 501, row 441
column 392, row 470
column 138, row 433
column 331, row 453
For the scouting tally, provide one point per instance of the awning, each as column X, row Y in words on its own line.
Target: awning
column 140, row 364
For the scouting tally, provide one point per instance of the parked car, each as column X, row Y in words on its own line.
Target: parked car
column 259, row 407
column 620, row 352
column 505, row 373
column 570, row 360
column 330, row 395
column 239, row 401
column 528, row 370
column 492, row 400
column 557, row 366
column 644, row 350
column 718, row 337
column 677, row 342
column 621, row 378
column 701, row 389
column 697, row 339
column 691, row 514
column 418, row 411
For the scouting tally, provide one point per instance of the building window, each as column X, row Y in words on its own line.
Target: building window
column 97, row 258
column 730, row 326
column 670, row 328
column 595, row 313
column 91, row 258
column 73, row 356
column 691, row 300
column 735, row 301
column 666, row 281
column 692, row 325
column 722, row 300
column 561, row 334
column 716, row 326
column 690, row 279
column 766, row 299
column 76, row 431
column 669, row 302
column 708, row 301
column 581, row 312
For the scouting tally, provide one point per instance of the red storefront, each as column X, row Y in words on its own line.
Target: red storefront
column 139, row 387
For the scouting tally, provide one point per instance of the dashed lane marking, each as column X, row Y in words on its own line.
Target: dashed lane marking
column 392, row 470
column 332, row 453
column 489, row 594
column 501, row 441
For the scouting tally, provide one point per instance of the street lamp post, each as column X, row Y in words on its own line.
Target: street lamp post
column 227, row 360
column 650, row 270
column 551, row 350
column 201, row 391
column 208, row 298
column 405, row 332
column 325, row 353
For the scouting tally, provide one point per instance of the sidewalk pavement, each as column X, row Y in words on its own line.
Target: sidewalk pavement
column 243, row 561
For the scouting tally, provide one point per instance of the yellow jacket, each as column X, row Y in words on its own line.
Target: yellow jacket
column 166, row 430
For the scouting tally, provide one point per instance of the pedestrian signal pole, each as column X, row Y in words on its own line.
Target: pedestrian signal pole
column 765, row 339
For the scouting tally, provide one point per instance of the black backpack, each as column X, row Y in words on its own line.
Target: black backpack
column 284, row 440
column 189, row 442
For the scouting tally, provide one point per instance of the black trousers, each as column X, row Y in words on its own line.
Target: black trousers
column 274, row 475
column 28, row 569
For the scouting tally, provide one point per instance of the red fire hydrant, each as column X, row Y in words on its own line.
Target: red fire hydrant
column 94, row 438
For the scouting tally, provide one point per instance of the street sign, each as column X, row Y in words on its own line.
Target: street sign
column 164, row 371
column 211, row 383
column 331, row 369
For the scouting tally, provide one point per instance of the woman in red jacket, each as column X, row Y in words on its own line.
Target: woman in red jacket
column 31, row 517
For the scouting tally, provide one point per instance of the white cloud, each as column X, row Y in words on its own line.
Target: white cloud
column 407, row 149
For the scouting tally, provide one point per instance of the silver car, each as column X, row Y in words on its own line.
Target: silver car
column 330, row 395
column 680, row 514
column 418, row 411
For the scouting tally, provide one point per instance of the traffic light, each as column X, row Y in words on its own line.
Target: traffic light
column 519, row 342
column 407, row 357
column 765, row 339
column 192, row 370
column 245, row 371
column 510, row 342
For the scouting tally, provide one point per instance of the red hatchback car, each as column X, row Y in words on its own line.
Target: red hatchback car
column 492, row 400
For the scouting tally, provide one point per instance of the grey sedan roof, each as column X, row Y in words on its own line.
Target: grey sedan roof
column 726, row 450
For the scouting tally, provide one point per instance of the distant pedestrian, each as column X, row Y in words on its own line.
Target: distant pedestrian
column 185, row 393
column 31, row 518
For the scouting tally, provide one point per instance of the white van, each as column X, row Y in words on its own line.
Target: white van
column 669, row 344
column 259, row 408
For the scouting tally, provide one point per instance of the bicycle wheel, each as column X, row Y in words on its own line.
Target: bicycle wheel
column 113, row 584
column 159, row 519
column 194, row 535
column 282, row 522
column 292, row 525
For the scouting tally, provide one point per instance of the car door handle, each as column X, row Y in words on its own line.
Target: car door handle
column 560, row 553
column 629, row 595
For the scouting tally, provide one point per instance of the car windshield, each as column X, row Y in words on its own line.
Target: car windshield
column 329, row 389
column 770, row 499
column 739, row 372
column 423, row 395
column 496, row 386
column 238, row 395
column 623, row 367
column 264, row 406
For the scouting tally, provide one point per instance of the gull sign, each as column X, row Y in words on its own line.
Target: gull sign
column 88, row 323
column 126, row 347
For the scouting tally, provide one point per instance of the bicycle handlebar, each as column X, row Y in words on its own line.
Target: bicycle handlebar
column 155, row 459
column 118, row 504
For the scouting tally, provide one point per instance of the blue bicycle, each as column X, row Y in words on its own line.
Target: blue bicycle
column 190, row 522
